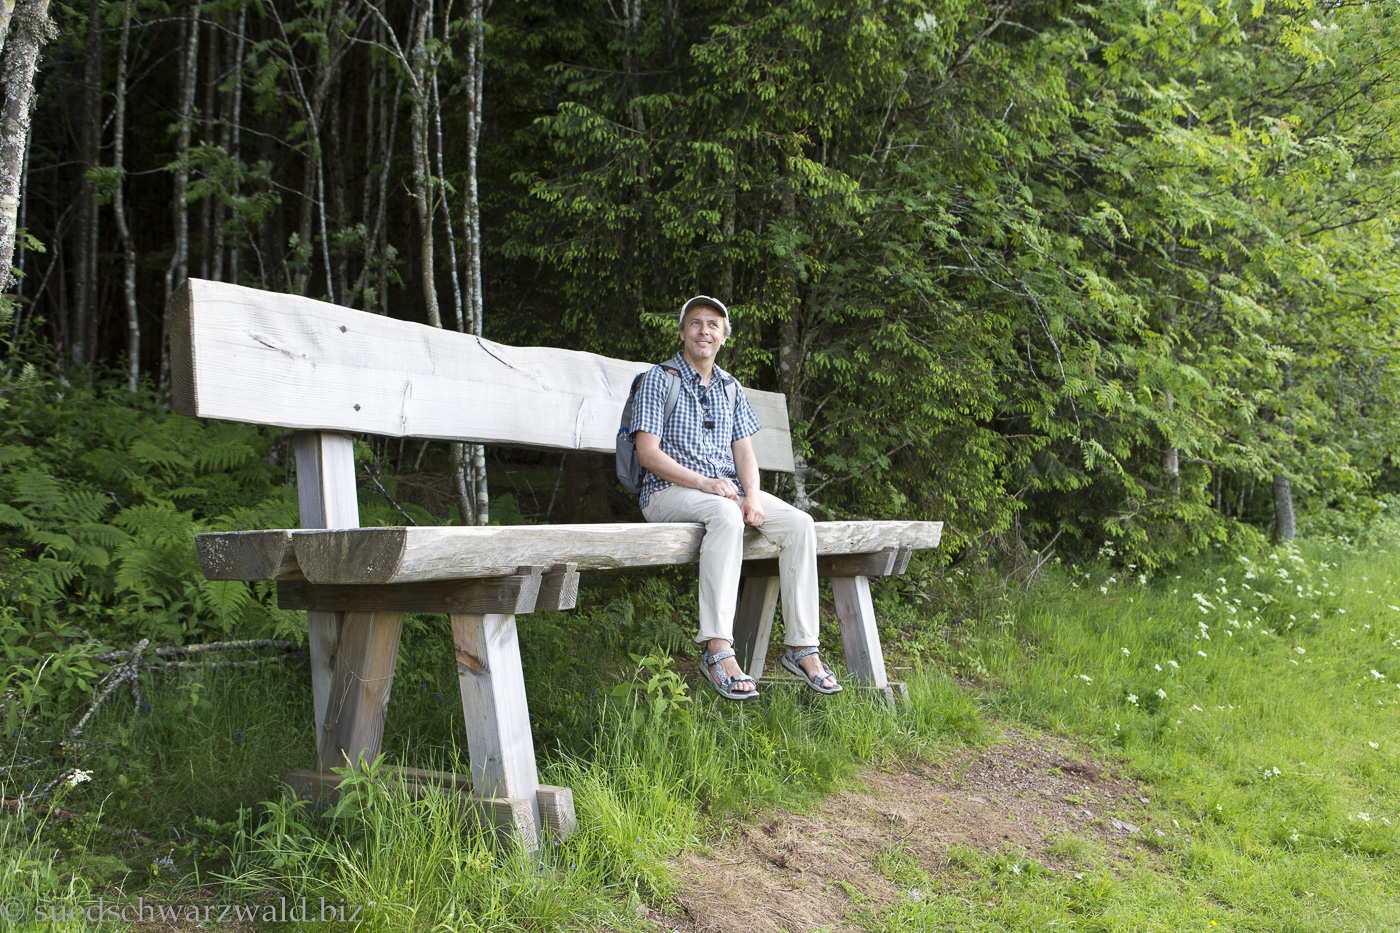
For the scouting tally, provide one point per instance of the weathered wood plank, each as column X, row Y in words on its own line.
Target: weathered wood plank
column 248, row 555
column 509, row 817
column 859, row 635
column 359, row 694
column 407, row 555
column 876, row 564
column 326, row 498
column 556, row 803
column 492, row 684
column 266, row 358
column 514, row 594
column 753, row 620
column 893, row 693
column 558, row 588
column 557, row 811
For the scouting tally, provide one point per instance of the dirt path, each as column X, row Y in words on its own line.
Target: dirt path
column 792, row 871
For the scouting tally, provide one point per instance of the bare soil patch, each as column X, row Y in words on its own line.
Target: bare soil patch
column 792, row 871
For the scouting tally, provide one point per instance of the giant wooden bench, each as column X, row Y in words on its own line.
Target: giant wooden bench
column 327, row 372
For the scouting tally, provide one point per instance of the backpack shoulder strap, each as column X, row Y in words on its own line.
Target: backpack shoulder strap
column 673, row 392
column 731, row 391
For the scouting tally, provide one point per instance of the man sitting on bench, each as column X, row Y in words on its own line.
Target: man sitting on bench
column 701, row 467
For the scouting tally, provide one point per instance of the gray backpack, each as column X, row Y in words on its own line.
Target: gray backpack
column 629, row 470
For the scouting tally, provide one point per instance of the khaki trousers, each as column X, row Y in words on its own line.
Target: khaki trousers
column 722, row 552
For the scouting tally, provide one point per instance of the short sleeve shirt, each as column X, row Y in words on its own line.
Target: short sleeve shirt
column 685, row 437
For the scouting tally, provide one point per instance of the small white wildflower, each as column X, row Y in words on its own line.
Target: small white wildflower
column 1374, row 744
column 1202, row 654
column 1197, row 708
column 1157, row 667
column 1364, row 817
column 1161, row 693
column 1377, row 674
column 1299, row 649
column 78, row 777
column 1341, row 612
column 1126, row 653
column 1173, row 664
column 1103, row 590
column 1085, row 677
column 1132, row 698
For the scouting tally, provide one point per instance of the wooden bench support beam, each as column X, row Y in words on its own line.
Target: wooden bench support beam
column 556, row 803
column 881, row 563
column 492, row 683
column 859, row 635
column 510, row 818
column 326, row 498
column 753, row 621
column 322, row 647
column 514, row 594
column 359, row 695
column 558, row 588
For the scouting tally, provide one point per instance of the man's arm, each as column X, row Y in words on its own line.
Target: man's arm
column 746, row 465
column 653, row 458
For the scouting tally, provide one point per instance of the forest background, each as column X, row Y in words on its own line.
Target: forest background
column 1119, row 277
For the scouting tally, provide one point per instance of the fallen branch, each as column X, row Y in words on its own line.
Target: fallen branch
column 118, row 675
column 127, row 666
column 170, row 651
column 18, row 804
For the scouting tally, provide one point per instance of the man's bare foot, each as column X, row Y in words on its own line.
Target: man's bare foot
column 812, row 664
column 730, row 666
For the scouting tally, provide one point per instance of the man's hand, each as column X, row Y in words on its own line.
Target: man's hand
column 753, row 511
column 719, row 487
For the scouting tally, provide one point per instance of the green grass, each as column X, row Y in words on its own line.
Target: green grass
column 1256, row 700
column 1260, row 702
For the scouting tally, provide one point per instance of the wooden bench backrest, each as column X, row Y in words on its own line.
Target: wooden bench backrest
column 241, row 354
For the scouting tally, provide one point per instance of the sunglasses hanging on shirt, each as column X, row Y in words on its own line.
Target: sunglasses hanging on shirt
column 705, row 402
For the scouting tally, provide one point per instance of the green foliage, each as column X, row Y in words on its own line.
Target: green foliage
column 663, row 698
column 103, row 496
column 1012, row 266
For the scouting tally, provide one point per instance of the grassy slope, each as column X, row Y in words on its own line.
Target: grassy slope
column 1288, row 663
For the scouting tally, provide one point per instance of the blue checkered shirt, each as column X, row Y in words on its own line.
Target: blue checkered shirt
column 707, row 451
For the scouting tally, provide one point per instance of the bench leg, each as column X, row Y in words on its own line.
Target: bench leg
column 492, row 681
column 753, row 622
column 323, row 641
column 859, row 636
column 359, row 695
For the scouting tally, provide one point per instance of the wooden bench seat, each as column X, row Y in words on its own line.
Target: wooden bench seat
column 400, row 554
column 329, row 372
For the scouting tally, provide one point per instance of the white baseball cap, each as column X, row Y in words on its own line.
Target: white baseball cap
column 704, row 300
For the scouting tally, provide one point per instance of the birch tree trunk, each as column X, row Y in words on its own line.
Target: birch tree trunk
column 1285, row 521
column 30, row 28
column 471, row 222
column 235, row 130
column 179, row 268
column 133, row 321
column 423, row 199
column 7, row 12
column 83, row 314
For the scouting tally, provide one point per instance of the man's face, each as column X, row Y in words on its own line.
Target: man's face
column 702, row 332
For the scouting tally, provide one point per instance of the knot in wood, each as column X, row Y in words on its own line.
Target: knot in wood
column 468, row 663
